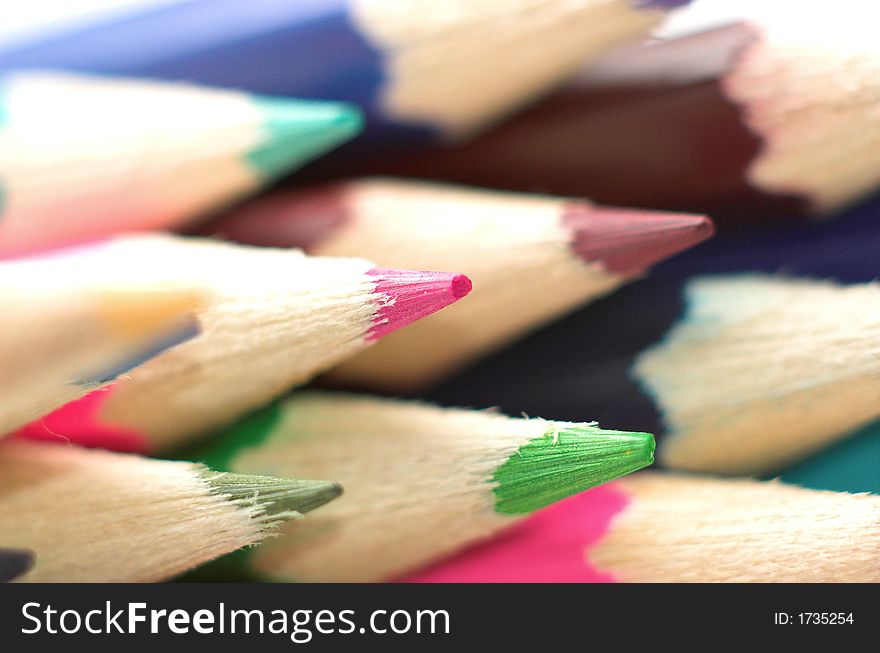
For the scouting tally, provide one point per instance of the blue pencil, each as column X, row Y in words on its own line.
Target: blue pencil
column 415, row 66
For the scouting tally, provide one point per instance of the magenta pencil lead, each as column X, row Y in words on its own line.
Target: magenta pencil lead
column 533, row 258
column 275, row 319
column 412, row 295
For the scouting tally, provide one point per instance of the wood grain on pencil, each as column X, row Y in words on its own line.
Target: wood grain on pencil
column 762, row 371
column 62, row 337
column 421, row 481
column 275, row 319
column 785, row 122
column 532, row 258
column 93, row 516
column 438, row 68
column 82, row 157
column 654, row 527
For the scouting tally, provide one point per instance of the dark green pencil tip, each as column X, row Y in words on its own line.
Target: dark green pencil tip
column 297, row 131
column 274, row 495
column 559, row 464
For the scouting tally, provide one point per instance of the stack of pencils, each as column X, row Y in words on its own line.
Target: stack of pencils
column 255, row 257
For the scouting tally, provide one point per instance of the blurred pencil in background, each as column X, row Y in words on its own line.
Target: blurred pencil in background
column 532, row 258
column 421, row 482
column 749, row 120
column 761, row 371
column 654, row 527
column 104, row 517
column 549, row 375
column 740, row 374
column 187, row 345
column 415, row 67
column 851, row 465
column 275, row 319
column 82, row 157
column 60, row 338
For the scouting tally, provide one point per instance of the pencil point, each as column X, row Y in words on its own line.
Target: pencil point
column 410, row 295
column 299, row 131
column 627, row 241
column 557, row 465
column 274, row 495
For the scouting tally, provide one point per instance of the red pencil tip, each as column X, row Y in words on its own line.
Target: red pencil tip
column 627, row 241
column 410, row 295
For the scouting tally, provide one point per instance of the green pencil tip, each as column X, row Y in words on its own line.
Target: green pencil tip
column 559, row 464
column 298, row 131
column 274, row 495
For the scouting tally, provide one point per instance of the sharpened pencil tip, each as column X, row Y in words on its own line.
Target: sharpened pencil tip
column 461, row 286
column 627, row 241
column 557, row 465
column 297, row 131
column 275, row 495
column 410, row 295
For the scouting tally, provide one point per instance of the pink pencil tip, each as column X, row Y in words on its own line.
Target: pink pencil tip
column 410, row 295
column 461, row 286
column 627, row 241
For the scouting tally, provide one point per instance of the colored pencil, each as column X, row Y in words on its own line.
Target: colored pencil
column 275, row 319
column 763, row 370
column 515, row 247
column 106, row 517
column 751, row 357
column 82, row 157
column 421, row 482
column 445, row 67
column 654, row 527
column 578, row 368
column 14, row 563
column 779, row 123
column 851, row 465
column 60, row 339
